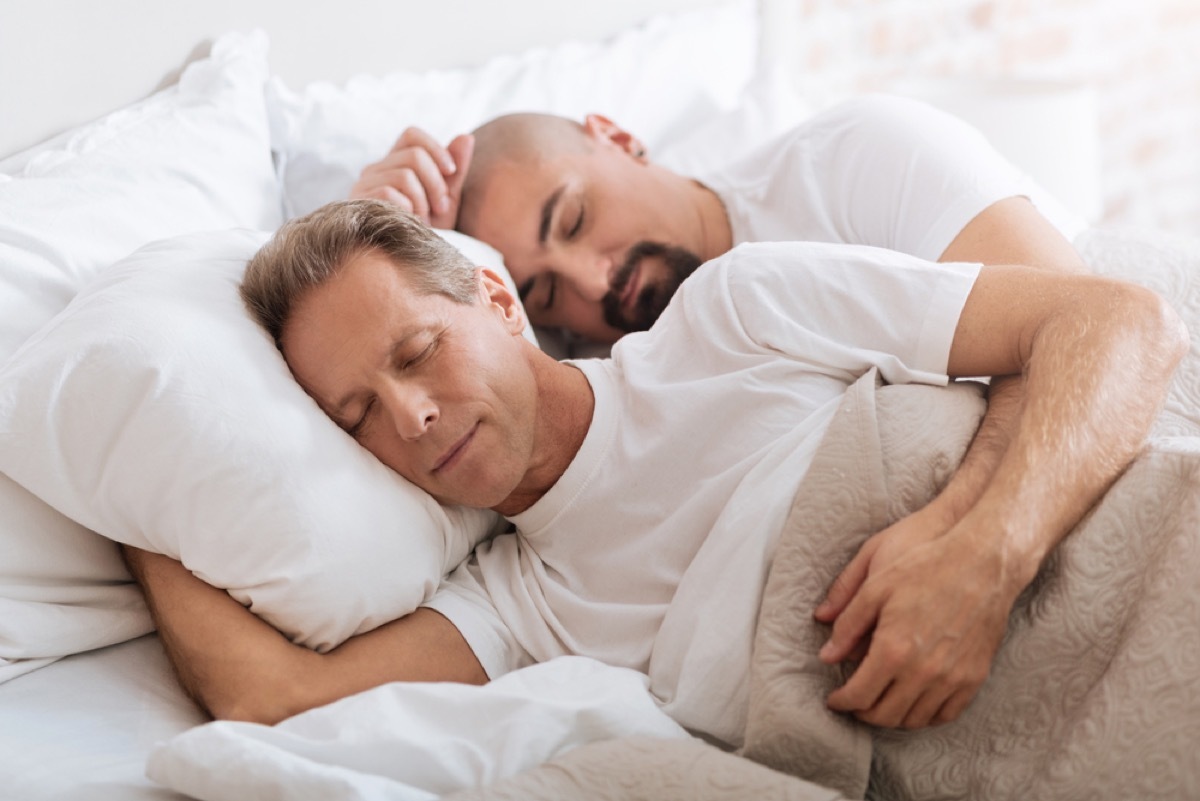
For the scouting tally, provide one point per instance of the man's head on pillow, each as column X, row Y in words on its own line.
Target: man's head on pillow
column 405, row 344
column 596, row 237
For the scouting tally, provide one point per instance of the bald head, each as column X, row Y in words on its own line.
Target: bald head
column 520, row 138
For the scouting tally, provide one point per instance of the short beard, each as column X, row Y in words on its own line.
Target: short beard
column 653, row 296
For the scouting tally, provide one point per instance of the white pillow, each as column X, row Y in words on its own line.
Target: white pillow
column 660, row 81
column 769, row 107
column 192, row 157
column 156, row 412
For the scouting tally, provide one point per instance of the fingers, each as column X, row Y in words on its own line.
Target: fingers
column 902, row 684
column 854, row 623
column 461, row 149
column 954, row 706
column 419, row 175
column 414, row 138
column 848, row 582
column 889, row 689
column 908, row 703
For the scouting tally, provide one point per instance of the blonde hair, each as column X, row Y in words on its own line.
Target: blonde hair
column 307, row 251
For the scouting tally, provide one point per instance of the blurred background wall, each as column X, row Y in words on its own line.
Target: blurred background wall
column 1137, row 62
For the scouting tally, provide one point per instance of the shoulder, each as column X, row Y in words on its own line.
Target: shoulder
column 883, row 121
column 882, row 111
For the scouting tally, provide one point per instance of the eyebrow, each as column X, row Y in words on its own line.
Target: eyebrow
column 548, row 214
column 339, row 408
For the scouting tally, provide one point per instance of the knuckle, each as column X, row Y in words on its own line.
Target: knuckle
column 972, row 676
column 929, row 673
column 947, row 716
column 894, row 653
column 878, row 717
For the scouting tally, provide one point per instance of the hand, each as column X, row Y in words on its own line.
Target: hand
column 420, row 176
column 925, row 610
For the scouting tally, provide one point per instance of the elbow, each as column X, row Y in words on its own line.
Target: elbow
column 263, row 708
column 1156, row 333
column 1167, row 334
column 255, row 696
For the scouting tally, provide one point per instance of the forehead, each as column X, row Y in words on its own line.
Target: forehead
column 352, row 320
column 512, row 200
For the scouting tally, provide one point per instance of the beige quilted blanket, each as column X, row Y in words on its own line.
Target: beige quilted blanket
column 1095, row 692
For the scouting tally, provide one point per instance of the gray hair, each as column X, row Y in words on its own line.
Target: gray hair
column 307, row 251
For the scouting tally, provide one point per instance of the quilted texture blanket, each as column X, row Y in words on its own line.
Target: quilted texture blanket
column 1095, row 692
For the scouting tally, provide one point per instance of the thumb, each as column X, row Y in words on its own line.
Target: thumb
column 461, row 149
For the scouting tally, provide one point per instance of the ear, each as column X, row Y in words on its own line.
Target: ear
column 495, row 293
column 600, row 127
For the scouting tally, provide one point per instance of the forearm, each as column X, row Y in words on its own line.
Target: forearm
column 236, row 666
column 221, row 652
column 1005, row 395
column 1011, row 231
column 1094, row 382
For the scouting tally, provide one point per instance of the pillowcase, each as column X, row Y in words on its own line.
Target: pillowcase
column 659, row 80
column 193, row 157
column 157, row 413
column 770, row 106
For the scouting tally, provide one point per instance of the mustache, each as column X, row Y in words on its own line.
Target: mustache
column 653, row 296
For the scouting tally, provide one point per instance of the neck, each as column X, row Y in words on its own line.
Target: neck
column 565, row 403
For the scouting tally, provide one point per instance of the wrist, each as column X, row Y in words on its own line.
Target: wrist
column 1014, row 559
column 945, row 511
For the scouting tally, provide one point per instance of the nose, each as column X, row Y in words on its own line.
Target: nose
column 411, row 408
column 590, row 276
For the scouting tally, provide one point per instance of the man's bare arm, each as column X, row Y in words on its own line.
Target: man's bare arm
column 1097, row 356
column 1010, row 231
column 238, row 667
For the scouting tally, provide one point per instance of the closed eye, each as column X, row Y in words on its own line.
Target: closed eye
column 577, row 227
column 425, row 353
column 360, row 426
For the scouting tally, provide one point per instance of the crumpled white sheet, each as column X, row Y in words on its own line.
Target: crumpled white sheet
column 416, row 741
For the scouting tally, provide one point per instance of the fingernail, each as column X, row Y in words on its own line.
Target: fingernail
column 826, row 651
column 449, row 167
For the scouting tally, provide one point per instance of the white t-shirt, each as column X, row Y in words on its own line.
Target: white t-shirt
column 652, row 549
column 879, row 170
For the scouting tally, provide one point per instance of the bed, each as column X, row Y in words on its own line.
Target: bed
column 275, row 115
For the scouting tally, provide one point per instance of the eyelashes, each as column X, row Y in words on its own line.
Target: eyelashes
column 359, row 427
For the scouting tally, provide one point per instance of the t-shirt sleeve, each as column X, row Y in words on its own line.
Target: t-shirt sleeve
column 841, row 309
column 901, row 174
column 463, row 600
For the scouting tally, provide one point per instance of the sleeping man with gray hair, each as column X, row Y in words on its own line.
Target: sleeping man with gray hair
column 648, row 490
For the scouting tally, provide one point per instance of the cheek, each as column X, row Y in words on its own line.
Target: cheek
column 387, row 449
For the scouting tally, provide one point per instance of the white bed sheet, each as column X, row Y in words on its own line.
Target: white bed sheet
column 82, row 728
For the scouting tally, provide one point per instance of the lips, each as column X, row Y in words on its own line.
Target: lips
column 454, row 453
column 632, row 283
